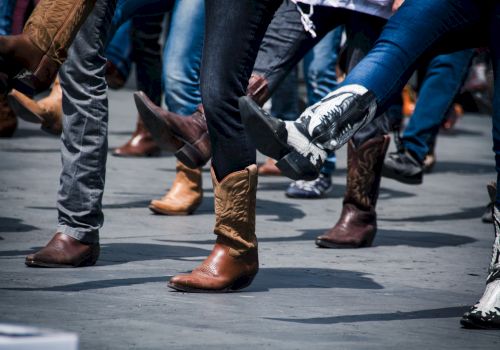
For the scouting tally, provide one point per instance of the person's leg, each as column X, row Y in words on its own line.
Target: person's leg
column 146, row 53
column 357, row 224
column 83, row 148
column 285, row 104
column 486, row 313
column 181, row 82
column 6, row 11
column 443, row 79
column 30, row 61
column 229, row 53
column 418, row 28
column 119, row 55
column 321, row 77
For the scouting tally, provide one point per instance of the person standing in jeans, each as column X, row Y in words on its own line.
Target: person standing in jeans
column 419, row 30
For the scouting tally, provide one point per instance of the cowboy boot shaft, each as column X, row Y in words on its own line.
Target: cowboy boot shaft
column 54, row 24
column 235, row 200
column 364, row 164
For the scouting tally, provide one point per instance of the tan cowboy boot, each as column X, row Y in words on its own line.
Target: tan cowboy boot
column 47, row 111
column 42, row 47
column 8, row 120
column 357, row 224
column 141, row 144
column 184, row 197
column 234, row 262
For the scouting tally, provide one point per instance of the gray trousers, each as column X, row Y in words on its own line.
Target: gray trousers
column 85, row 127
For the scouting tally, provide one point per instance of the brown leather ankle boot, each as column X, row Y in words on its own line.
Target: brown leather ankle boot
column 357, row 224
column 64, row 251
column 141, row 144
column 47, row 111
column 8, row 120
column 35, row 56
column 184, row 197
column 234, row 262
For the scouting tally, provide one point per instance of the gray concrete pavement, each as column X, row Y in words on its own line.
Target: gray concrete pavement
column 408, row 291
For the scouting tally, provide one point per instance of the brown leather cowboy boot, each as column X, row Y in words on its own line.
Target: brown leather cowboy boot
column 8, row 120
column 64, row 251
column 234, row 262
column 188, row 135
column 47, row 111
column 184, row 197
column 357, row 224
column 30, row 61
column 141, row 144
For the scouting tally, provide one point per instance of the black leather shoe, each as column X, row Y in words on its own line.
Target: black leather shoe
column 403, row 167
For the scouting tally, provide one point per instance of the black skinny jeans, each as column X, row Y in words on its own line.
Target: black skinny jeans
column 233, row 33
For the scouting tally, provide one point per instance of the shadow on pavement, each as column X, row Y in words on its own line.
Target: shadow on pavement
column 461, row 214
column 384, row 238
column 295, row 277
column 267, row 279
column 463, row 168
column 91, row 285
column 121, row 253
column 15, row 225
column 446, row 312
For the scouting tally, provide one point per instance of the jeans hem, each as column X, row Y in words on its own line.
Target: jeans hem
column 85, row 236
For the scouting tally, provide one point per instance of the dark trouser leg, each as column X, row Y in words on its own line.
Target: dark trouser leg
column 233, row 32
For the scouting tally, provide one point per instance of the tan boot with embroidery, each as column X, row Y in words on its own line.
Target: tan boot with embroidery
column 234, row 261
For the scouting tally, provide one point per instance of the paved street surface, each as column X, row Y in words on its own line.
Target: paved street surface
column 428, row 263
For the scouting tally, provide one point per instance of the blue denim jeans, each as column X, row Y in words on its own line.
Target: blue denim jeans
column 119, row 50
column 442, row 81
column 182, row 56
column 425, row 28
column 6, row 11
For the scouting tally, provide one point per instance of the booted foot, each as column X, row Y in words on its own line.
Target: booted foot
column 8, row 120
column 310, row 189
column 141, row 144
column 187, row 135
column 486, row 313
column 234, row 261
column 301, row 146
column 269, row 168
column 184, row 197
column 221, row 272
column 47, row 111
column 24, row 66
column 64, row 251
column 357, row 224
column 356, row 228
column 403, row 167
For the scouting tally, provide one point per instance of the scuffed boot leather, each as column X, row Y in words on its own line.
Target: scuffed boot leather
column 141, row 144
column 357, row 224
column 47, row 111
column 8, row 120
column 184, row 197
column 64, row 251
column 234, row 262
